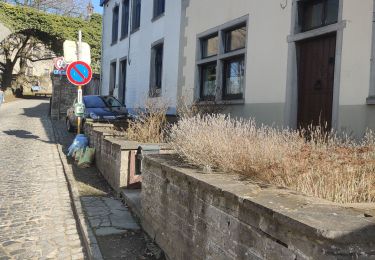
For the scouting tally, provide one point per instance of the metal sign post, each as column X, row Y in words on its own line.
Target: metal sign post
column 79, row 73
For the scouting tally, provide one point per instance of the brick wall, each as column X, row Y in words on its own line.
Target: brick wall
column 217, row 216
column 64, row 93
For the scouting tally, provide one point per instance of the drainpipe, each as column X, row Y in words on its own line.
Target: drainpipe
column 101, row 58
column 371, row 98
column 130, row 31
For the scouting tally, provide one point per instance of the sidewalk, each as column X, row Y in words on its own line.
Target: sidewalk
column 117, row 232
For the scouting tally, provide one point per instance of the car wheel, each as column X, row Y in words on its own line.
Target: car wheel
column 69, row 126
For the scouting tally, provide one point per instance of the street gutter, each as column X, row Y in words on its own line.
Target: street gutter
column 89, row 240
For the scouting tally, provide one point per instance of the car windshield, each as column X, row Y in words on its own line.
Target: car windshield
column 94, row 102
column 112, row 102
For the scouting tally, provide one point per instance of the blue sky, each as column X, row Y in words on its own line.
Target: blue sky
column 98, row 8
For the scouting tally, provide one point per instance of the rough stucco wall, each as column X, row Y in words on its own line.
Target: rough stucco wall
column 354, row 115
column 138, row 72
column 266, row 47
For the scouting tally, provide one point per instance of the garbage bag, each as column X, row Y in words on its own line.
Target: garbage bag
column 81, row 141
column 78, row 154
column 87, row 158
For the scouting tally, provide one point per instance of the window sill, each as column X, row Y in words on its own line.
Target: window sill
column 113, row 43
column 157, row 17
column 123, row 37
column 222, row 102
column 135, row 30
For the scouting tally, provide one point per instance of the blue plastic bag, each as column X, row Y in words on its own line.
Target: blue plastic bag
column 80, row 142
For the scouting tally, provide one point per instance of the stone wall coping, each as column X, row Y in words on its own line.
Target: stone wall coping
column 127, row 145
column 310, row 216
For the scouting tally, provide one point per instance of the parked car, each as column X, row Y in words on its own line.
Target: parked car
column 97, row 108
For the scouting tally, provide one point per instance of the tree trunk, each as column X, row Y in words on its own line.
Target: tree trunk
column 6, row 79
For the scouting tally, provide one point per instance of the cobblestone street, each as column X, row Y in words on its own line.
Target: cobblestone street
column 36, row 218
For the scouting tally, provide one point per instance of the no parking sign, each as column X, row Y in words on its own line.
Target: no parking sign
column 79, row 73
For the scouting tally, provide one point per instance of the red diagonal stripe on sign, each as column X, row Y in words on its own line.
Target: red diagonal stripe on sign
column 79, row 73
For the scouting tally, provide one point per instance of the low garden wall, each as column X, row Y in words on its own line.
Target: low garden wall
column 115, row 157
column 195, row 215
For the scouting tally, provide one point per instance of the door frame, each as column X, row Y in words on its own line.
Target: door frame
column 291, row 102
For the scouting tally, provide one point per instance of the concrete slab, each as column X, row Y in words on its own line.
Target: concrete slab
column 108, row 216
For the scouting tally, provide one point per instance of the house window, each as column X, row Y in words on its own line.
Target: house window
column 317, row 13
column 115, row 24
column 221, row 67
column 112, row 78
column 208, row 81
column 125, row 19
column 234, row 73
column 235, row 39
column 159, row 8
column 210, row 46
column 136, row 15
column 156, row 69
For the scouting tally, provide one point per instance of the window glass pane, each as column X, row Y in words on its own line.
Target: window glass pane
column 125, row 18
column 159, row 7
column 210, row 47
column 208, row 81
column 235, row 39
column 312, row 15
column 115, row 24
column 156, row 77
column 332, row 11
column 94, row 102
column 111, row 102
column 158, row 66
column 234, row 77
column 136, row 21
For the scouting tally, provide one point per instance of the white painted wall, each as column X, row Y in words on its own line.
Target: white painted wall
column 267, row 58
column 268, row 27
column 138, row 72
column 356, row 52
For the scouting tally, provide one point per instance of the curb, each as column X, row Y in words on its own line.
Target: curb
column 89, row 240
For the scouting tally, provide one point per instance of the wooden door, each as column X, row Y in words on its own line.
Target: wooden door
column 316, row 70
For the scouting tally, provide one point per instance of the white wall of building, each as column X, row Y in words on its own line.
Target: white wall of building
column 266, row 58
column 267, row 81
column 139, row 56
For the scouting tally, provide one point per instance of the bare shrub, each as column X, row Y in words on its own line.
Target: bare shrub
column 148, row 126
column 327, row 166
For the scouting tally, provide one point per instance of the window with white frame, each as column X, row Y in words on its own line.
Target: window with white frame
column 221, row 63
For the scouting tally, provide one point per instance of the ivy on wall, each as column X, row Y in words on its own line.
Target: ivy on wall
column 52, row 29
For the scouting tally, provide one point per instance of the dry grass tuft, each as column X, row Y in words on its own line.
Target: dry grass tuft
column 149, row 125
column 327, row 166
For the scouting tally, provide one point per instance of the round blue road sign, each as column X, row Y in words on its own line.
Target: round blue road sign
column 79, row 73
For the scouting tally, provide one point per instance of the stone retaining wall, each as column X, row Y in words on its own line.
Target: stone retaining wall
column 115, row 157
column 64, row 93
column 193, row 215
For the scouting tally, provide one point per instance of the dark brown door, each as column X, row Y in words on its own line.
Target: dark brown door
column 316, row 69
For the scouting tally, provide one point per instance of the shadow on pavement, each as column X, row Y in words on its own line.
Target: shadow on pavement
column 25, row 135
column 39, row 111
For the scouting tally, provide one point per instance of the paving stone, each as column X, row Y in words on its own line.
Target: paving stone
column 35, row 212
